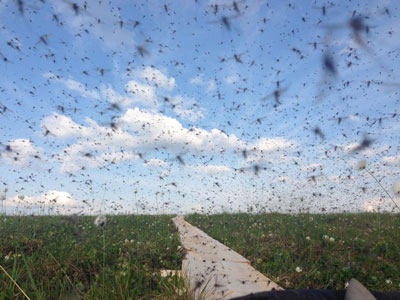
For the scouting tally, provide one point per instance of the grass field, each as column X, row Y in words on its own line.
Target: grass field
column 63, row 257
column 326, row 250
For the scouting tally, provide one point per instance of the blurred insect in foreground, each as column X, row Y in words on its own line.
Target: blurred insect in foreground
column 142, row 50
column 226, row 21
column 277, row 95
column 364, row 144
column 329, row 72
column 358, row 28
column 318, row 132
column 5, row 59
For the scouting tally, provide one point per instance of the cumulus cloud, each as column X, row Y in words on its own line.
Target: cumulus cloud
column 232, row 79
column 211, row 85
column 81, row 89
column 154, row 162
column 141, row 131
column 200, row 81
column 211, row 169
column 187, row 108
column 156, row 77
column 378, row 205
column 312, row 167
column 391, row 160
column 73, row 85
column 22, row 153
column 52, row 197
column 104, row 147
column 114, row 97
column 141, row 89
column 272, row 144
column 53, row 201
column 105, row 30
column 269, row 150
column 63, row 127
column 142, row 93
column 96, row 145
column 157, row 130
column 197, row 80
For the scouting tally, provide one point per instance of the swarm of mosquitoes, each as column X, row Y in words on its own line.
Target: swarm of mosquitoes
column 227, row 16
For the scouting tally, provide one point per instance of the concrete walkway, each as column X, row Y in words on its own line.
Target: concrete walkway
column 216, row 271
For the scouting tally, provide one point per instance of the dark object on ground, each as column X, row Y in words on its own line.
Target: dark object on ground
column 313, row 295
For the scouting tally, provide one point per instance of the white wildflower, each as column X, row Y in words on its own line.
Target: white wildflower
column 346, row 285
column 100, row 221
column 299, row 270
column 361, row 165
column 388, row 281
column 325, row 237
column 7, row 257
column 331, row 239
column 308, row 238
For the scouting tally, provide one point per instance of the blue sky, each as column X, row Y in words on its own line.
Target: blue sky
column 104, row 101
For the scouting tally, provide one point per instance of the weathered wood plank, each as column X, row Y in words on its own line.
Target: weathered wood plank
column 216, row 270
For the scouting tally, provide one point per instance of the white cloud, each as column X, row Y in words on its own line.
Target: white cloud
column 157, row 130
column 232, row 79
column 211, row 85
column 81, row 89
column 392, row 160
column 114, row 97
column 22, row 153
column 272, row 144
column 312, row 167
column 155, row 162
column 58, row 198
column 141, row 131
column 378, row 205
column 211, row 169
column 197, row 80
column 62, row 126
column 187, row 109
column 52, row 197
column 269, row 150
column 158, row 78
column 96, row 145
column 354, row 118
column 284, row 179
column 103, row 147
column 101, row 13
column 142, row 93
column 73, row 85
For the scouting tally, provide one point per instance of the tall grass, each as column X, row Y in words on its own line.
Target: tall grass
column 329, row 249
column 70, row 258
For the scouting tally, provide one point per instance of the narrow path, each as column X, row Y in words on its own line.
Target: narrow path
column 215, row 269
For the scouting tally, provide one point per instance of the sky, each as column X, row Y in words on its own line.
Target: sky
column 199, row 106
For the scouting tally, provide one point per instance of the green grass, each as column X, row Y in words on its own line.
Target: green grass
column 364, row 246
column 62, row 258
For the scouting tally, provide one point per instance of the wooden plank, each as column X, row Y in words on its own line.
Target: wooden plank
column 215, row 270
